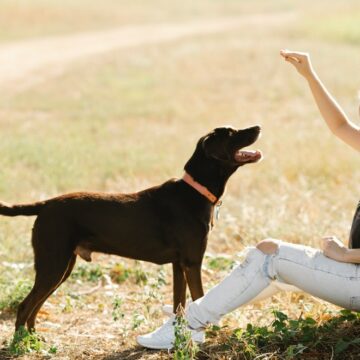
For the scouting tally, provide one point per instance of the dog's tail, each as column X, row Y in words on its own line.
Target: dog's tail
column 21, row 209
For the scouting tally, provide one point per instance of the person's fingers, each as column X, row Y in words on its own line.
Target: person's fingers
column 332, row 239
column 327, row 242
column 292, row 61
column 296, row 54
column 338, row 242
column 329, row 237
column 284, row 52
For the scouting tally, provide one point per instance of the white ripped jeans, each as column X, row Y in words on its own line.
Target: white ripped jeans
column 292, row 267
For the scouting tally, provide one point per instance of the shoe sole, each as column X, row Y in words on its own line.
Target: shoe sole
column 155, row 347
column 164, row 347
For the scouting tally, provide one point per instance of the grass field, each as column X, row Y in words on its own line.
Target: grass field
column 129, row 119
column 52, row 18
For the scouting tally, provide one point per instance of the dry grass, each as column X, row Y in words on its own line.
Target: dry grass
column 130, row 119
column 51, row 18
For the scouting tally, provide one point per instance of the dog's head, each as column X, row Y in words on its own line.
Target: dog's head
column 220, row 152
column 225, row 145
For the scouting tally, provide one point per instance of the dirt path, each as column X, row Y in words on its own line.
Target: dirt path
column 25, row 63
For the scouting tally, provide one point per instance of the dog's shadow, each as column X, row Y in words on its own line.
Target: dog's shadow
column 137, row 352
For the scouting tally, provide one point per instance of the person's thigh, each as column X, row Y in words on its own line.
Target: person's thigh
column 311, row 271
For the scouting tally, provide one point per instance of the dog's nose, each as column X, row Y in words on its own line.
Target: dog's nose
column 255, row 128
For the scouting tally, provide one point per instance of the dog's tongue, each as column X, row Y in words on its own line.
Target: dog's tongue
column 248, row 152
column 247, row 155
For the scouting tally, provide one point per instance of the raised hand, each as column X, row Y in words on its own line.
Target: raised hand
column 300, row 60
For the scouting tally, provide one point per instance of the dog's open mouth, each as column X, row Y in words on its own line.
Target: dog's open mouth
column 247, row 156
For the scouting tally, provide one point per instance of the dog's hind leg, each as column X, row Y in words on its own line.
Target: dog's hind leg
column 32, row 318
column 179, row 286
column 53, row 253
column 46, row 281
column 193, row 278
column 45, row 284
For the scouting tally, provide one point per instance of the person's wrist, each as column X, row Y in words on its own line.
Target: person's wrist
column 310, row 75
column 346, row 255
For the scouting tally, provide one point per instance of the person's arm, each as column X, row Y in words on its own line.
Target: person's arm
column 331, row 112
column 352, row 256
column 335, row 249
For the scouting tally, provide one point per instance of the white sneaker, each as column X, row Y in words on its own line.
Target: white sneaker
column 167, row 310
column 164, row 337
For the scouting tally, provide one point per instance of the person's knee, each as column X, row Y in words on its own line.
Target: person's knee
column 268, row 246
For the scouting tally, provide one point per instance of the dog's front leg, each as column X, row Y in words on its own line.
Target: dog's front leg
column 179, row 286
column 193, row 278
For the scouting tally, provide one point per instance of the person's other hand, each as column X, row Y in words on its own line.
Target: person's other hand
column 334, row 248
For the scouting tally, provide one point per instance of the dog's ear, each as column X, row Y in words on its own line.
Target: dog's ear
column 213, row 147
column 208, row 143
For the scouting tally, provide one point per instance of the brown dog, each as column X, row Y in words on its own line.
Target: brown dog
column 163, row 224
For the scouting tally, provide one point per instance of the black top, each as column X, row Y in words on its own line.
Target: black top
column 354, row 239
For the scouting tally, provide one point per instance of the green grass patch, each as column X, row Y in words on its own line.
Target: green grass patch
column 120, row 273
column 12, row 294
column 219, row 263
column 87, row 272
column 287, row 338
column 184, row 347
column 117, row 312
column 25, row 342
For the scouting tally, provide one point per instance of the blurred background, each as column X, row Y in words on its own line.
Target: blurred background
column 112, row 95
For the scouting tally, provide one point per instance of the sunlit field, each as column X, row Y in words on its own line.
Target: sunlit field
column 130, row 118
